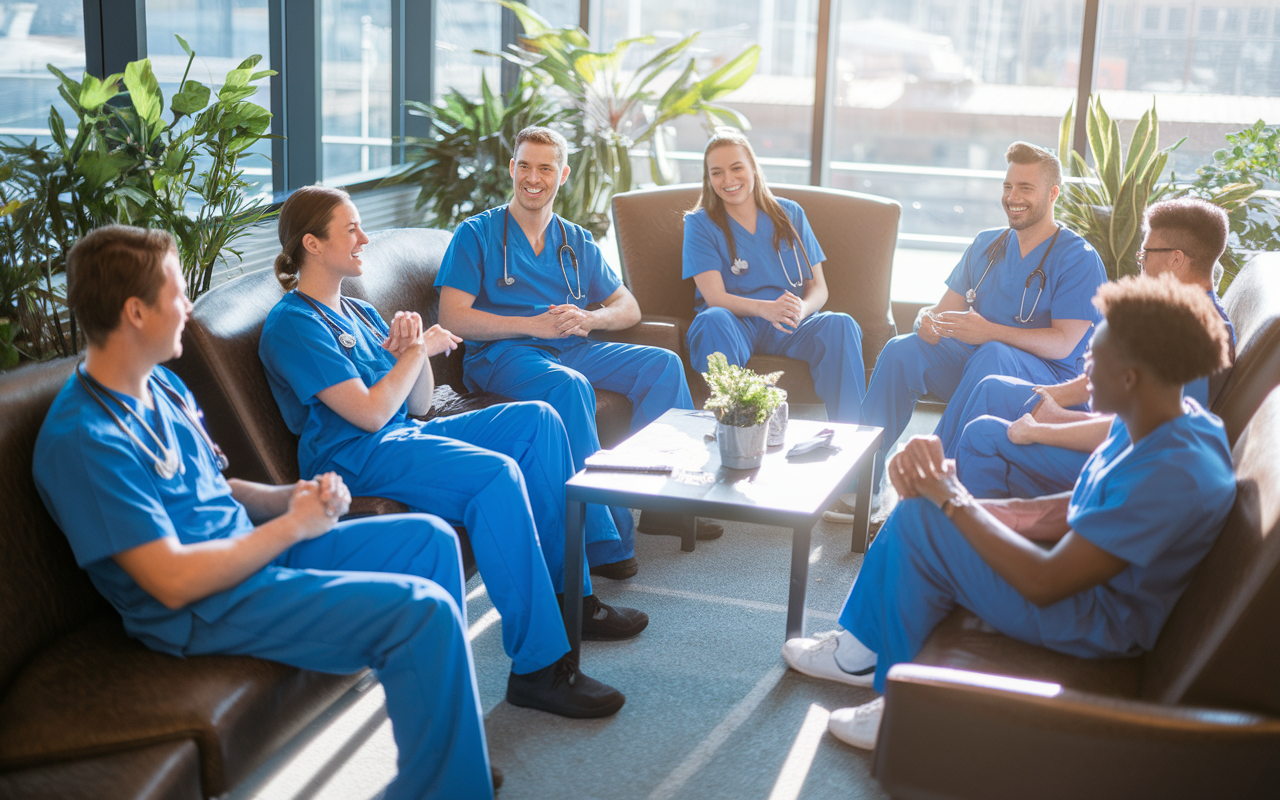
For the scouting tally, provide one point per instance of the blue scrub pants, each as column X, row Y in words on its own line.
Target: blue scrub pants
column 909, row 367
column 499, row 472
column 920, row 567
column 989, row 465
column 566, row 374
column 831, row 344
column 995, row 396
column 386, row 593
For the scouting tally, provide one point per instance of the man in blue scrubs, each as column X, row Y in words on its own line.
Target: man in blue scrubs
column 1017, row 304
column 199, row 565
column 1034, row 440
column 1122, row 547
column 516, row 284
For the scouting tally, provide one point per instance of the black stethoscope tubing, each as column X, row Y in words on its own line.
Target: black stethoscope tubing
column 996, row 252
column 97, row 391
column 507, row 280
column 345, row 339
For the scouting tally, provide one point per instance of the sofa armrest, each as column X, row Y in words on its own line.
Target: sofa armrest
column 655, row 331
column 954, row 733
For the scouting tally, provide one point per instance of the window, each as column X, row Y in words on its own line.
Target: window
column 31, row 36
column 461, row 27
column 1151, row 19
column 1177, row 20
column 778, row 100
column 222, row 33
column 355, row 60
column 924, row 115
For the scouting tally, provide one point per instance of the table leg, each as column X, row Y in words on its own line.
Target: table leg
column 862, row 509
column 799, row 580
column 574, row 544
column 689, row 536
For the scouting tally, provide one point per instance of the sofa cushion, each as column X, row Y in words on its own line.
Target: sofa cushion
column 166, row 771
column 96, row 691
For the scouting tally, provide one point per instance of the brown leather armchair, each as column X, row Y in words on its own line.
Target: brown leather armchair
column 979, row 715
column 857, row 232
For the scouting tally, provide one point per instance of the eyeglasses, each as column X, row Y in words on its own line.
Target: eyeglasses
column 1142, row 252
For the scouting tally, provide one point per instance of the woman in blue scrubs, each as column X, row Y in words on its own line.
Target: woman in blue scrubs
column 758, row 271
column 1123, row 546
column 346, row 384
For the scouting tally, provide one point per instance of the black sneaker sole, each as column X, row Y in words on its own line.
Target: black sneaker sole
column 618, row 570
column 704, row 532
column 593, row 636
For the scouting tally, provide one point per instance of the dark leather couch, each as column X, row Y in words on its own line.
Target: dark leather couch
column 1199, row 716
column 858, row 233
column 87, row 712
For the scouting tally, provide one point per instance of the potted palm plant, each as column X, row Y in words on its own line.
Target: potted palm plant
column 743, row 402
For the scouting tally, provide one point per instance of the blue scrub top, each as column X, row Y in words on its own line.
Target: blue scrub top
column 473, row 264
column 105, row 495
column 1121, row 504
column 766, row 277
column 1199, row 388
column 1073, row 272
column 303, row 357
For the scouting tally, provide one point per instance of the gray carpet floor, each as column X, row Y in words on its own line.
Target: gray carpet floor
column 712, row 711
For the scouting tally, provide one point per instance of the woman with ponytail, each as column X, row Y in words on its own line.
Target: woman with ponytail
column 352, row 387
column 758, row 271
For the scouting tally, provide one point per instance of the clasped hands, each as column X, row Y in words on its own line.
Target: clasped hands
column 920, row 469
column 969, row 327
column 318, row 503
column 570, row 320
column 406, row 332
column 786, row 313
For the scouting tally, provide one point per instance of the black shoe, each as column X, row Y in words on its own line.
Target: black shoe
column 497, row 776
column 605, row 623
column 618, row 570
column 662, row 523
column 563, row 689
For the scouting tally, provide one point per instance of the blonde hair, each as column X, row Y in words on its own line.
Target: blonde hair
column 783, row 229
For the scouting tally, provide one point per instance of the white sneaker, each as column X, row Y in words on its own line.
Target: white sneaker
column 858, row 726
column 817, row 658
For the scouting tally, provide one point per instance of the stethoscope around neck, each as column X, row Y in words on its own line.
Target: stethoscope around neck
column 506, row 279
column 996, row 252
column 345, row 339
column 739, row 267
column 170, row 463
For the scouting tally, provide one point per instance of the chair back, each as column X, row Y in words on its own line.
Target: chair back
column 1252, row 304
column 858, row 234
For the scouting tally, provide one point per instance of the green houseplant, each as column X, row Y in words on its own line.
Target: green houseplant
column 742, row 401
column 124, row 162
column 618, row 109
column 461, row 166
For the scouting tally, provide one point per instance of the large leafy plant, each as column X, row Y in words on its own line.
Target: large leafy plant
column 739, row 396
column 1250, row 162
column 619, row 109
column 461, row 166
column 1107, row 202
column 124, row 162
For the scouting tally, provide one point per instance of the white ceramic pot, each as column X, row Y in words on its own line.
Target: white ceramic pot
column 741, row 448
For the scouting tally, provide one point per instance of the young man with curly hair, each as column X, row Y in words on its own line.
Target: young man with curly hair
column 1092, row 573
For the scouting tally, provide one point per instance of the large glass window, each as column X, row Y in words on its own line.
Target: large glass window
column 1210, row 74
column 356, row 88
column 931, row 93
column 463, row 26
column 31, row 36
column 222, row 33
column 777, row 101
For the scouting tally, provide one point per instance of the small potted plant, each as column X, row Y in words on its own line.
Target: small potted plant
column 743, row 401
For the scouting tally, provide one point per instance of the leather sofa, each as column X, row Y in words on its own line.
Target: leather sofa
column 86, row 711
column 979, row 715
column 858, row 233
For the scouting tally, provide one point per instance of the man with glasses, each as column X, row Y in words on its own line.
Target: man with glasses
column 1034, row 440
column 1019, row 303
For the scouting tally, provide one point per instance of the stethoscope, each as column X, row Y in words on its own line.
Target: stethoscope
column 507, row 280
column 170, row 464
column 995, row 252
column 739, row 266
column 345, row 339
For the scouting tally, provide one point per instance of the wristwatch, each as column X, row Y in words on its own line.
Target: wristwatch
column 955, row 501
